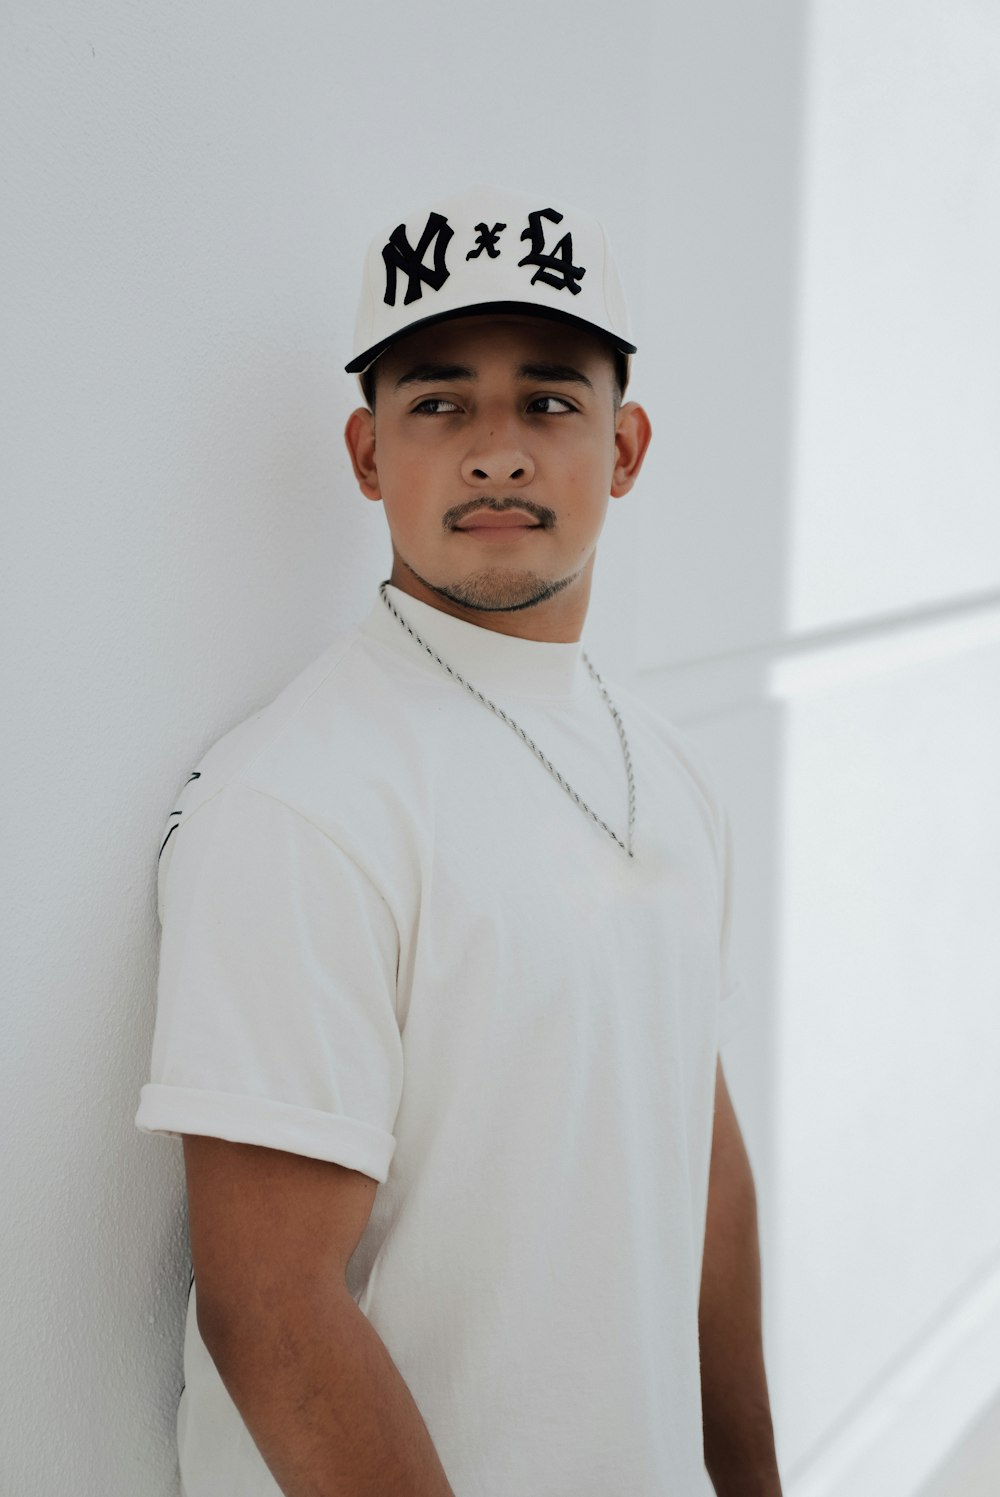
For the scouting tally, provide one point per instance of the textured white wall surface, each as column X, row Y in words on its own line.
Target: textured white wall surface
column 803, row 202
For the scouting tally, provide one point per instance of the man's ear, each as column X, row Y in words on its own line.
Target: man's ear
column 632, row 436
column 359, row 434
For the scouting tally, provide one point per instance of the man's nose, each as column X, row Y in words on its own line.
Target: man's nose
column 497, row 458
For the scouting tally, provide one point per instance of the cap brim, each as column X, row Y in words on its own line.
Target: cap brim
column 485, row 309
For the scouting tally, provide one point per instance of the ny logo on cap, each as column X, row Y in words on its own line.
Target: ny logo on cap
column 399, row 254
column 552, row 267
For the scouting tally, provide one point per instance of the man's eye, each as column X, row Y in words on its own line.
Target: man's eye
column 435, row 405
column 547, row 400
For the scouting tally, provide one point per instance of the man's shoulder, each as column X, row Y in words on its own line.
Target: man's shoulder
column 278, row 723
column 311, row 745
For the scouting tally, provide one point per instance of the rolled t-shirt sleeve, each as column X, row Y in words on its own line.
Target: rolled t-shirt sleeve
column 276, row 1014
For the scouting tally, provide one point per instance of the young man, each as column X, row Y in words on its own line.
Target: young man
column 445, row 959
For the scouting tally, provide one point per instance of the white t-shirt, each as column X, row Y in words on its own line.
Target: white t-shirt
column 390, row 939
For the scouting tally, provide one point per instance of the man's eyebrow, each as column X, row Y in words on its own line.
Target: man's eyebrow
column 432, row 374
column 554, row 374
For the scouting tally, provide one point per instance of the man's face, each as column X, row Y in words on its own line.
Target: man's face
column 494, row 448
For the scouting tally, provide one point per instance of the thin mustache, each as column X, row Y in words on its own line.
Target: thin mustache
column 452, row 517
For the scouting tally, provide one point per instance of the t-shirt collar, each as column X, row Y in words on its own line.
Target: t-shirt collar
column 493, row 662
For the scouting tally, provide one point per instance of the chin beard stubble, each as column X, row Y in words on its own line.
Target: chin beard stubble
column 496, row 591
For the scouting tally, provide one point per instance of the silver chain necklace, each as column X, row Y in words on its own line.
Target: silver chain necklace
column 504, row 717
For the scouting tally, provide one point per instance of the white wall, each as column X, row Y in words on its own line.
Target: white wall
column 844, row 675
column 806, row 578
column 891, row 811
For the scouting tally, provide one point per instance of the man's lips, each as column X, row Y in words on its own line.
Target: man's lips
column 507, row 519
column 489, row 515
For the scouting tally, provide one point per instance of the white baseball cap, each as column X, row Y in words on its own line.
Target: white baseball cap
column 489, row 250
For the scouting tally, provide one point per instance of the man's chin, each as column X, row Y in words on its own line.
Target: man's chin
column 497, row 590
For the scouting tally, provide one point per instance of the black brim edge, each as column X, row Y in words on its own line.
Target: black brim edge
column 484, row 309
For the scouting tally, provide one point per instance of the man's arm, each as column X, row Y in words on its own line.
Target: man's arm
column 739, row 1439
column 271, row 1237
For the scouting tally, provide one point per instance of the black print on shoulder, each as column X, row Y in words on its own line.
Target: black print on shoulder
column 555, row 268
column 167, row 838
column 194, row 775
column 399, row 254
column 486, row 239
